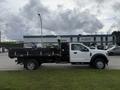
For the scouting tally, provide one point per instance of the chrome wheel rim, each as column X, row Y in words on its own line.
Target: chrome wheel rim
column 30, row 66
column 100, row 64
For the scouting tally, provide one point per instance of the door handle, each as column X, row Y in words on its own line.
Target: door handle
column 90, row 54
column 75, row 52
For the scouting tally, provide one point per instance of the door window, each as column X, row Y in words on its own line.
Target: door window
column 79, row 47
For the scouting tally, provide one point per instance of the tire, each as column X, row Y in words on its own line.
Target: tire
column 40, row 64
column 31, row 65
column 99, row 64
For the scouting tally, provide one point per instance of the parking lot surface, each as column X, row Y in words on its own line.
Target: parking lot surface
column 9, row 64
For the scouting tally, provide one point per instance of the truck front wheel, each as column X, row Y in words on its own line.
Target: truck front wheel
column 31, row 65
column 99, row 64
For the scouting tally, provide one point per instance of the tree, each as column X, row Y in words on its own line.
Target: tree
column 116, row 35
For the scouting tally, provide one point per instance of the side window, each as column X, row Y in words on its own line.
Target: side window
column 75, row 47
column 79, row 47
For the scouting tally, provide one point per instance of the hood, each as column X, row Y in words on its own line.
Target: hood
column 94, row 51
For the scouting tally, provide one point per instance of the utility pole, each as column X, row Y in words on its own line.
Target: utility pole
column 41, row 29
column 0, row 42
column 0, row 36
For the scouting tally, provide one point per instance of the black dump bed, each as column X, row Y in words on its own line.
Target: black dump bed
column 56, row 53
column 27, row 52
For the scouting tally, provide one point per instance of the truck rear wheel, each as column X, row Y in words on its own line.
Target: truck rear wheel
column 99, row 64
column 31, row 65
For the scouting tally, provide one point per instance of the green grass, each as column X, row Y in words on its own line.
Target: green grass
column 60, row 79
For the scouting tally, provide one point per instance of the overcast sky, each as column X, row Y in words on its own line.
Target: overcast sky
column 19, row 17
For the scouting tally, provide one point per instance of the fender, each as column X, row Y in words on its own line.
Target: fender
column 99, row 55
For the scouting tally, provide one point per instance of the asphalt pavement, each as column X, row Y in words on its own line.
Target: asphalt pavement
column 9, row 64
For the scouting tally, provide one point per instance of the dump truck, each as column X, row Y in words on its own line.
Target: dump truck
column 74, row 53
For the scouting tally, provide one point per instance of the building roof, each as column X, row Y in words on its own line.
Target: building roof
column 55, row 36
column 38, row 36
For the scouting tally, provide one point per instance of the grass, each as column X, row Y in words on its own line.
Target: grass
column 60, row 79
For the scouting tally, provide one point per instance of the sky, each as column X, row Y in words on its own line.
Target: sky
column 59, row 17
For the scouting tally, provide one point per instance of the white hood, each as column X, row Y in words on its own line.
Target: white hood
column 95, row 51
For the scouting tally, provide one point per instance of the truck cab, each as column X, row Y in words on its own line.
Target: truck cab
column 79, row 53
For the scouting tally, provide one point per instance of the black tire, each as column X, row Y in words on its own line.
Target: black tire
column 31, row 65
column 40, row 64
column 99, row 63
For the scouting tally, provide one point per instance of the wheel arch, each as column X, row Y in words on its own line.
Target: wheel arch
column 99, row 55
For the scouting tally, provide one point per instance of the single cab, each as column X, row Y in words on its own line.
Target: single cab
column 74, row 53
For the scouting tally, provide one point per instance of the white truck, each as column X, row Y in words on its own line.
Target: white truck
column 74, row 53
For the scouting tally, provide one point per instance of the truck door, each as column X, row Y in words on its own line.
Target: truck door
column 79, row 53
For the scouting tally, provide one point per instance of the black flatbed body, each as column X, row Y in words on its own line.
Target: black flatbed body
column 42, row 54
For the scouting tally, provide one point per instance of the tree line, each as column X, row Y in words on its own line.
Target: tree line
column 116, row 36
